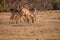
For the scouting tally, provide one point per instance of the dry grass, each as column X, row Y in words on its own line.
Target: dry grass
column 46, row 27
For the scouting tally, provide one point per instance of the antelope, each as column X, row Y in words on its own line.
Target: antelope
column 16, row 15
column 29, row 13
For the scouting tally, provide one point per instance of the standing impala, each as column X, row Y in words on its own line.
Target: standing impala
column 29, row 13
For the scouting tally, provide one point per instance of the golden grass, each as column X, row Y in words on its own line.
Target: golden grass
column 46, row 27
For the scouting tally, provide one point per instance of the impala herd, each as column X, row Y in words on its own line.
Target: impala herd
column 24, row 14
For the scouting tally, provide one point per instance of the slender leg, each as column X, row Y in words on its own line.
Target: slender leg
column 32, row 18
column 27, row 20
column 16, row 19
column 11, row 19
column 26, row 16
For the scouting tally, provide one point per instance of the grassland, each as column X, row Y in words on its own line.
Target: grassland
column 46, row 27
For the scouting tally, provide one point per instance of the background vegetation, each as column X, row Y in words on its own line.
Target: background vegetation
column 38, row 4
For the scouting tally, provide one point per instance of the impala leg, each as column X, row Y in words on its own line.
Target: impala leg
column 11, row 20
column 32, row 18
column 16, row 19
column 25, row 19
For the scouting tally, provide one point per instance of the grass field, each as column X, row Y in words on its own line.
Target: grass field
column 46, row 27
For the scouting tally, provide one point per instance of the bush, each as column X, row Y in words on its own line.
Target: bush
column 1, row 4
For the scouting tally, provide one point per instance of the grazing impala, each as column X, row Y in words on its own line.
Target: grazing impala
column 16, row 15
column 29, row 13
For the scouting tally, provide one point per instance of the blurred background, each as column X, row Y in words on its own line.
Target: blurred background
column 6, row 5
